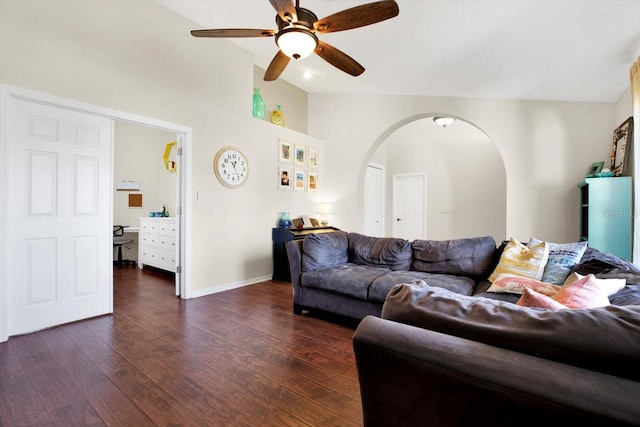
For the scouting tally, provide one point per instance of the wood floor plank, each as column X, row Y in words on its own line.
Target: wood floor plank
column 236, row 358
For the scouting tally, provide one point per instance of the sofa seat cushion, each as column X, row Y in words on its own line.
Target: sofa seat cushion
column 381, row 286
column 386, row 252
column 469, row 257
column 605, row 339
column 349, row 279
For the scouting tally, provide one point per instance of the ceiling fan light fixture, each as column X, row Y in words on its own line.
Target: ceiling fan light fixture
column 443, row 122
column 296, row 43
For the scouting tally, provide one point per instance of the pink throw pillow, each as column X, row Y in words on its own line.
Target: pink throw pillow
column 531, row 298
column 582, row 293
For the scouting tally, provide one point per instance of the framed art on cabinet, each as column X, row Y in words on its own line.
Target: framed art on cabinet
column 313, row 181
column 621, row 137
column 284, row 178
column 300, row 155
column 299, row 183
column 284, row 151
column 312, row 156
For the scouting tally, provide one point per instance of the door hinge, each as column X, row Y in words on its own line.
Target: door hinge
column 179, row 210
column 180, row 151
column 178, row 269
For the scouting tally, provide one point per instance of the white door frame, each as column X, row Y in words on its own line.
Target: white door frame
column 183, row 214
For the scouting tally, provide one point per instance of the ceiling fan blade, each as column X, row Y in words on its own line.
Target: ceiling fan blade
column 339, row 59
column 277, row 66
column 285, row 9
column 358, row 16
column 233, row 32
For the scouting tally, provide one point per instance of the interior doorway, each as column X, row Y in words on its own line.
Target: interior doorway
column 7, row 210
column 461, row 162
column 146, row 183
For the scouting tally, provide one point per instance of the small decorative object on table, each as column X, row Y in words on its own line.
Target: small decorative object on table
column 285, row 220
column 595, row 169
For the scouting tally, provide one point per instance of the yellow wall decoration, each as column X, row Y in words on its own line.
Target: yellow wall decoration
column 169, row 164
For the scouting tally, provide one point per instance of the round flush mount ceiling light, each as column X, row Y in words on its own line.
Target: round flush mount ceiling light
column 443, row 122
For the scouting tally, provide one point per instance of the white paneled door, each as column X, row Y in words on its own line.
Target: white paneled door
column 409, row 206
column 60, row 236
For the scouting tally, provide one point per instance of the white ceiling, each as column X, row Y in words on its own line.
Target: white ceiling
column 561, row 50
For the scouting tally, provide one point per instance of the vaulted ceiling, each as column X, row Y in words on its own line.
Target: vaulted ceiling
column 561, row 50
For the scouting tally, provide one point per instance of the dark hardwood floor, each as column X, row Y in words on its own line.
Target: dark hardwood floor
column 236, row 358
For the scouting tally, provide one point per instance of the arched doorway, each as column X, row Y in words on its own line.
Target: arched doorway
column 466, row 180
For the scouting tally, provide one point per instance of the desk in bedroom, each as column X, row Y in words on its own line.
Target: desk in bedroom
column 280, row 237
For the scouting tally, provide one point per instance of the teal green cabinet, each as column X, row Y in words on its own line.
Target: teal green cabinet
column 606, row 214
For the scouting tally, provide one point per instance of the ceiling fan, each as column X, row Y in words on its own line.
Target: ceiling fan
column 297, row 28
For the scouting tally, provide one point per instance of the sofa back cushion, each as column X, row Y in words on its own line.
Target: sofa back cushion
column 468, row 257
column 388, row 252
column 323, row 250
column 603, row 339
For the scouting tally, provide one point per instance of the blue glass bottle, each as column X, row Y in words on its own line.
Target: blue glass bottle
column 285, row 220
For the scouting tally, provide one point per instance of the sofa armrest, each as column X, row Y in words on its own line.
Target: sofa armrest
column 294, row 255
column 413, row 377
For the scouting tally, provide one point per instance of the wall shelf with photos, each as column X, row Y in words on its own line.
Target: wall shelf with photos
column 297, row 166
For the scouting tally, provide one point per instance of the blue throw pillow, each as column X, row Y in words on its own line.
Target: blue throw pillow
column 562, row 256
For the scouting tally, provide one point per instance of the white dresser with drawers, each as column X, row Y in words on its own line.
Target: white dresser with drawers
column 157, row 243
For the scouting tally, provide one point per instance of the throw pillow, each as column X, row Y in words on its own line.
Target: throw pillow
column 562, row 256
column 531, row 298
column 517, row 284
column 582, row 293
column 609, row 286
column 520, row 260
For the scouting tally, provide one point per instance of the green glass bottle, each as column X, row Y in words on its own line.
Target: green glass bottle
column 259, row 109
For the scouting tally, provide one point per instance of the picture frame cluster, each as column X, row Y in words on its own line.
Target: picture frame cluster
column 297, row 166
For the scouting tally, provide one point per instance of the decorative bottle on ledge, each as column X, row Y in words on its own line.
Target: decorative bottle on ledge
column 277, row 117
column 259, row 109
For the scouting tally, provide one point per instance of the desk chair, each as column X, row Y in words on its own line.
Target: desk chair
column 118, row 242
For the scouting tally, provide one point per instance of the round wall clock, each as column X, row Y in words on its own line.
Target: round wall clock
column 231, row 167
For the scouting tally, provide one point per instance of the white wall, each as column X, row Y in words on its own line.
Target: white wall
column 547, row 147
column 139, row 57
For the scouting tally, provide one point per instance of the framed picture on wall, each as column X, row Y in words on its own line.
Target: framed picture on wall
column 300, row 178
column 313, row 181
column 285, row 178
column 300, row 155
column 284, row 151
column 312, row 157
column 622, row 135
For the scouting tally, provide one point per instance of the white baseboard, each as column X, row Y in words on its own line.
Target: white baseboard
column 226, row 287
